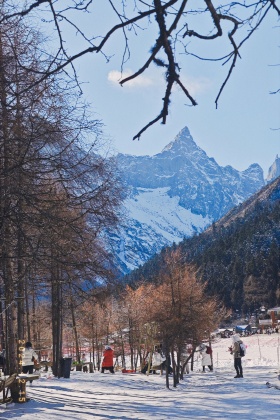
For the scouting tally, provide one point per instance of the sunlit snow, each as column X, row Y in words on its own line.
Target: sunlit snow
column 210, row 395
column 164, row 215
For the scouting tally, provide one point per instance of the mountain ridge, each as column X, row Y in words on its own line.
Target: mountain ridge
column 238, row 257
column 175, row 194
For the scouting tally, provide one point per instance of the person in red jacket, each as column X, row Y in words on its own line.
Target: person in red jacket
column 107, row 363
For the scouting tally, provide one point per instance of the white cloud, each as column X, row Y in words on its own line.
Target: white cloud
column 196, row 85
column 116, row 76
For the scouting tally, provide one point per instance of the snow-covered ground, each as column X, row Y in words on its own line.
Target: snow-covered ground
column 211, row 395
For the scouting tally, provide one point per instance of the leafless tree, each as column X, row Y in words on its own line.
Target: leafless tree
column 56, row 194
column 173, row 26
column 131, row 319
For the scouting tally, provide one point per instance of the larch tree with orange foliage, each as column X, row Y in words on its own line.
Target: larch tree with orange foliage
column 182, row 310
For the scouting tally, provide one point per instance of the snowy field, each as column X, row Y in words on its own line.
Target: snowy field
column 211, row 395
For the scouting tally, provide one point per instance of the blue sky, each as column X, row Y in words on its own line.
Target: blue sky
column 245, row 128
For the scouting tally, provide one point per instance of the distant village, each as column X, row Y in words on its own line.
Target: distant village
column 265, row 321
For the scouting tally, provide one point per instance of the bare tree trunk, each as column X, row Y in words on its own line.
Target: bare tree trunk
column 185, row 364
column 74, row 325
column 174, row 364
column 166, row 347
column 20, row 292
column 2, row 335
column 34, row 331
column 98, row 362
column 93, row 354
column 28, row 326
column 7, row 234
column 20, row 240
column 130, row 323
column 56, row 321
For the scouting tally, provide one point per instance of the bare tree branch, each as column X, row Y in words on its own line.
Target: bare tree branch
column 172, row 19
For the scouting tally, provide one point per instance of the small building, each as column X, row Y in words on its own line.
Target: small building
column 274, row 316
column 265, row 324
column 243, row 329
column 224, row 332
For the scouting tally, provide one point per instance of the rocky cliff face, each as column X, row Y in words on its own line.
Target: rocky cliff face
column 274, row 170
column 175, row 194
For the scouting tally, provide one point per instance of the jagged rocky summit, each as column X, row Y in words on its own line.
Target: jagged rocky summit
column 174, row 194
column 274, row 170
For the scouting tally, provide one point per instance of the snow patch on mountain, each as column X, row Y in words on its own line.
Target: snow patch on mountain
column 164, row 215
column 152, row 220
column 172, row 195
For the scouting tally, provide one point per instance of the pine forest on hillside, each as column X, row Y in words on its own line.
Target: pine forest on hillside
column 238, row 257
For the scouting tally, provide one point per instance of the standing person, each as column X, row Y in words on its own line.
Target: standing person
column 205, row 357
column 84, row 361
column 29, row 356
column 107, row 363
column 235, row 350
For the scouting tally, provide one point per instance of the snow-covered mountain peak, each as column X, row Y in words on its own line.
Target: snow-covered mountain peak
column 183, row 144
column 173, row 195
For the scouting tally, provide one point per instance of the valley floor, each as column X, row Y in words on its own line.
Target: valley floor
column 211, row 395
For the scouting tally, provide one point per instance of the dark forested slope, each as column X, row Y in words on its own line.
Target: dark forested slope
column 238, row 256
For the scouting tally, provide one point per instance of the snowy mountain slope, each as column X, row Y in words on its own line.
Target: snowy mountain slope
column 173, row 195
column 153, row 220
column 267, row 194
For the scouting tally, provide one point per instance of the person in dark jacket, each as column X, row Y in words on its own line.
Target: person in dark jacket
column 107, row 363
